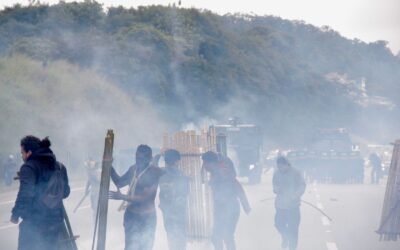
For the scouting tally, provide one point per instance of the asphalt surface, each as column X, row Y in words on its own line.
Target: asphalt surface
column 354, row 209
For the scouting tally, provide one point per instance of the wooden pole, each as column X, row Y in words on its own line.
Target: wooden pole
column 102, row 207
column 390, row 220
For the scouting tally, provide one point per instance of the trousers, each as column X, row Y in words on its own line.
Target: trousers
column 139, row 230
column 35, row 235
column 287, row 223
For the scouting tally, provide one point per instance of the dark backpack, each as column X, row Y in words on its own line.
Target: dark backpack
column 53, row 194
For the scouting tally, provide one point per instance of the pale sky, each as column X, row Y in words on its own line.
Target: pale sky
column 367, row 20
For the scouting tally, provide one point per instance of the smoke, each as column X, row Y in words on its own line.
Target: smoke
column 74, row 107
column 200, row 124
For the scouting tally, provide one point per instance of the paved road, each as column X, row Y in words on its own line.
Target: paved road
column 355, row 210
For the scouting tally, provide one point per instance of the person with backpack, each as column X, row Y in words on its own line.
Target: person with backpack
column 174, row 190
column 228, row 194
column 39, row 203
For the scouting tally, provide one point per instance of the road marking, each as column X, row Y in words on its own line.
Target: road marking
column 6, row 202
column 8, row 226
column 331, row 246
column 325, row 221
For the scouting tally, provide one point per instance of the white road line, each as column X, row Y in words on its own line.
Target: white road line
column 6, row 202
column 331, row 246
column 8, row 226
column 325, row 221
column 319, row 205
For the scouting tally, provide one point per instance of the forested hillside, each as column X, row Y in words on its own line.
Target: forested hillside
column 74, row 107
column 187, row 65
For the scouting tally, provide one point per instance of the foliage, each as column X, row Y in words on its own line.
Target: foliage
column 192, row 64
column 74, row 107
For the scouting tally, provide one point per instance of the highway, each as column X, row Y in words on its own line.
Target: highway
column 354, row 208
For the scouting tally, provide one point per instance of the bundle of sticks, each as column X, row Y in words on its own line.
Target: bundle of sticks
column 389, row 229
column 191, row 145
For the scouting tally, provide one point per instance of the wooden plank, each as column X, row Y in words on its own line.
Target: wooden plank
column 390, row 220
column 191, row 144
column 102, row 207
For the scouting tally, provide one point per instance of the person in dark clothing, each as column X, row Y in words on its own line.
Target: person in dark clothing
column 140, row 214
column 289, row 186
column 228, row 193
column 10, row 170
column 41, row 224
column 376, row 164
column 174, row 190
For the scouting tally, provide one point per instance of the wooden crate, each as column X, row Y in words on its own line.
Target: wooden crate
column 191, row 145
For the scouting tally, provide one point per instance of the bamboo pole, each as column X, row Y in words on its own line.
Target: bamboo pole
column 102, row 207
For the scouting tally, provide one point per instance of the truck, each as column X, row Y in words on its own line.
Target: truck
column 330, row 157
column 242, row 143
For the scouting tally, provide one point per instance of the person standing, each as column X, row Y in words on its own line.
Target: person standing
column 39, row 203
column 289, row 186
column 140, row 214
column 376, row 164
column 10, row 170
column 228, row 194
column 174, row 190
column 93, row 184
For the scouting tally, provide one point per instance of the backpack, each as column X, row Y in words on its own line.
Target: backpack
column 54, row 192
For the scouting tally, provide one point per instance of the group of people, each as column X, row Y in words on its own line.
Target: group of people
column 145, row 177
column 39, row 200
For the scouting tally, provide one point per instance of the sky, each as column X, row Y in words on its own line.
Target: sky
column 367, row 20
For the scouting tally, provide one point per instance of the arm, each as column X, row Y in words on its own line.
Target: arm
column 156, row 159
column 26, row 193
column 67, row 189
column 121, row 181
column 301, row 186
column 275, row 184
